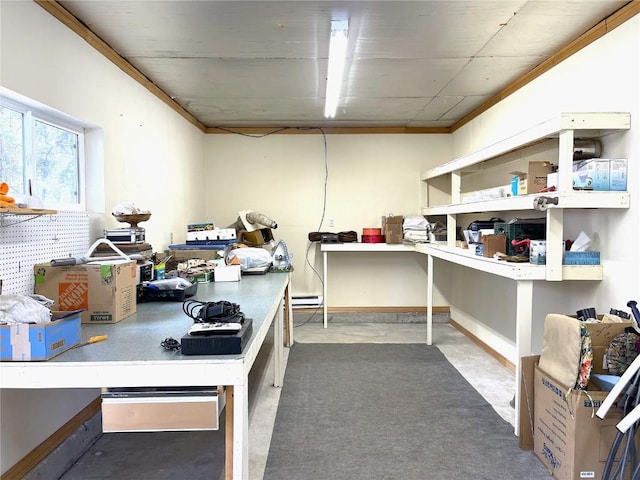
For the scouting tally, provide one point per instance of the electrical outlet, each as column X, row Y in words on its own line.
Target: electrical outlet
column 332, row 222
column 171, row 238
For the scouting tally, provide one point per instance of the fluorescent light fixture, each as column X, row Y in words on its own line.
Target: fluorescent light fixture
column 337, row 54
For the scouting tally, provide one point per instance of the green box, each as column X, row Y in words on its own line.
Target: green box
column 520, row 230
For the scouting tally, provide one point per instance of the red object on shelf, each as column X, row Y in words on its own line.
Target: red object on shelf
column 372, row 238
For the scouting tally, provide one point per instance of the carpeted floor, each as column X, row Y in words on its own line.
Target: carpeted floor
column 388, row 411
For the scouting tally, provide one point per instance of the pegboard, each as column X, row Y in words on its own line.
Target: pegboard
column 26, row 241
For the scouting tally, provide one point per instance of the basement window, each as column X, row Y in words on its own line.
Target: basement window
column 41, row 154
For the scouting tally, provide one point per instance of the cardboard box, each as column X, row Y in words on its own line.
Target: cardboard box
column 392, row 220
column 591, row 174
column 538, row 252
column 492, row 244
column 227, row 273
column 26, row 342
column 601, row 335
column 180, row 255
column 568, row 438
column 531, row 181
column 618, row 174
column 105, row 291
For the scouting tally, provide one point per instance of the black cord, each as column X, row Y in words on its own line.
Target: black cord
column 213, row 312
column 324, row 197
column 324, row 208
column 170, row 344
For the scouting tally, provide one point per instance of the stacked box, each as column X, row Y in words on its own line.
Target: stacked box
column 518, row 231
column 392, row 229
column 618, row 174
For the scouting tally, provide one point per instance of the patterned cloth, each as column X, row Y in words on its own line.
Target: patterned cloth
column 622, row 351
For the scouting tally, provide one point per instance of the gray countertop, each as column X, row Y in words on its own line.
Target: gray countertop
column 137, row 338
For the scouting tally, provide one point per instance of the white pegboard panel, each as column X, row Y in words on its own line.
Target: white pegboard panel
column 26, row 241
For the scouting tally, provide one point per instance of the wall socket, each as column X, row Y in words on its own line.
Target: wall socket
column 332, row 222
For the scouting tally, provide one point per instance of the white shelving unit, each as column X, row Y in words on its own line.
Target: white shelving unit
column 362, row 248
column 565, row 127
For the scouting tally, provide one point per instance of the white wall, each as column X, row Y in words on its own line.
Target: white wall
column 368, row 176
column 155, row 158
column 605, row 76
column 144, row 152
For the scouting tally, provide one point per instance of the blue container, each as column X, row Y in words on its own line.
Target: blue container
column 581, row 258
column 26, row 342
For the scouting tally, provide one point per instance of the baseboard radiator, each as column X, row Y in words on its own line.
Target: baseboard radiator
column 306, row 301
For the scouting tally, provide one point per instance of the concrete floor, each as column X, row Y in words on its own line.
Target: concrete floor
column 494, row 382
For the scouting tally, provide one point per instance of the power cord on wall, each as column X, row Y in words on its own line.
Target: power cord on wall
column 324, row 194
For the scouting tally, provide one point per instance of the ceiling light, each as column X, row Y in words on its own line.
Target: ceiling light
column 337, row 54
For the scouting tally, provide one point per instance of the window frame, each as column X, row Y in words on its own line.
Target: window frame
column 33, row 111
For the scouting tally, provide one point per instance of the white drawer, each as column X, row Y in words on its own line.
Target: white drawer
column 161, row 409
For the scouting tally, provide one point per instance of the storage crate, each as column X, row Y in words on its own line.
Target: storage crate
column 581, row 258
column 519, row 231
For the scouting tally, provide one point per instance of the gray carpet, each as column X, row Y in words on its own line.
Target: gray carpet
column 385, row 411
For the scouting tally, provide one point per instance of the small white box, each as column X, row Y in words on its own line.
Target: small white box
column 618, row 174
column 227, row 273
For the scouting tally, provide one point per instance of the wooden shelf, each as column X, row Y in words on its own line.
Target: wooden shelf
column 26, row 214
column 26, row 211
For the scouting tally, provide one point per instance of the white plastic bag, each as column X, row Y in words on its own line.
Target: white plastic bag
column 250, row 257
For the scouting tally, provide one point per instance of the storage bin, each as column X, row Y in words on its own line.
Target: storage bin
column 581, row 258
column 519, row 231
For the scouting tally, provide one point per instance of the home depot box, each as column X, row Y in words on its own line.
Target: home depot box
column 567, row 437
column 106, row 291
column 531, row 181
column 25, row 342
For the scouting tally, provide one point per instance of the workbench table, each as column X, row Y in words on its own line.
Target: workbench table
column 133, row 357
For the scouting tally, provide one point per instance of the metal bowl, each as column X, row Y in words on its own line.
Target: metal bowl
column 133, row 219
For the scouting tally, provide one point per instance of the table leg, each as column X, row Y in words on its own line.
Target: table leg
column 278, row 354
column 228, row 434
column 288, row 315
column 524, row 306
column 325, row 280
column 241, row 431
column 429, row 299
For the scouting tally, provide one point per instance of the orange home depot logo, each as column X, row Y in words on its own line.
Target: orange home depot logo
column 73, row 296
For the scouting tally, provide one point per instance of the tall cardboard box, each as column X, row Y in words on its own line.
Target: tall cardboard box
column 567, row 436
column 392, row 229
column 106, row 290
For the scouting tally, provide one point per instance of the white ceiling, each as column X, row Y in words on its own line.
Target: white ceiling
column 264, row 63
